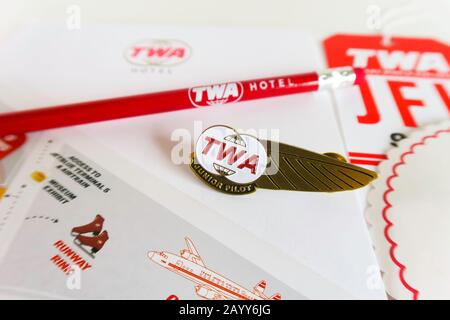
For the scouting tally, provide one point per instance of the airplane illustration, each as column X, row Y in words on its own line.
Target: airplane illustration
column 209, row 284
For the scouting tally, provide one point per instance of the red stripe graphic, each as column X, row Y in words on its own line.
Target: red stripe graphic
column 367, row 155
column 366, row 162
column 364, row 158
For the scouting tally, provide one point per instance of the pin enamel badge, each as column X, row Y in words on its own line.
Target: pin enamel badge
column 239, row 164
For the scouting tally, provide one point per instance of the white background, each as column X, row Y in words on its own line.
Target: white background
column 322, row 17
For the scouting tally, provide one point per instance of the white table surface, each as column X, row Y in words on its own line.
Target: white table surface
column 321, row 17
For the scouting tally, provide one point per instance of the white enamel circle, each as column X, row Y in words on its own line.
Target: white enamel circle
column 240, row 158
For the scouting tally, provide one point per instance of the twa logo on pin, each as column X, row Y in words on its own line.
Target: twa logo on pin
column 240, row 158
column 158, row 52
column 216, row 94
column 238, row 164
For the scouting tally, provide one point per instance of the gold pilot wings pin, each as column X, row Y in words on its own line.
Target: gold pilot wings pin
column 240, row 163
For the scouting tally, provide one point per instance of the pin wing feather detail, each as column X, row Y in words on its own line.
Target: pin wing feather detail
column 302, row 170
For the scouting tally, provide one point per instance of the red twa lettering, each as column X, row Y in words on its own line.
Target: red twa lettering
column 211, row 142
column 166, row 52
column 399, row 60
column 250, row 163
column 231, row 154
column 223, row 153
column 159, row 52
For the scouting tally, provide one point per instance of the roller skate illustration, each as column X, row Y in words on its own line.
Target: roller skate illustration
column 95, row 243
column 95, row 227
column 90, row 237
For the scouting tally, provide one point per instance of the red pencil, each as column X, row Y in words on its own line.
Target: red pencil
column 196, row 97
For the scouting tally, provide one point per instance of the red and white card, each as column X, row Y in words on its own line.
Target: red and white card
column 408, row 85
column 409, row 215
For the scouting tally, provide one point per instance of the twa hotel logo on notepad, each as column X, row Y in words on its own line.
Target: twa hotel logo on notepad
column 158, row 52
